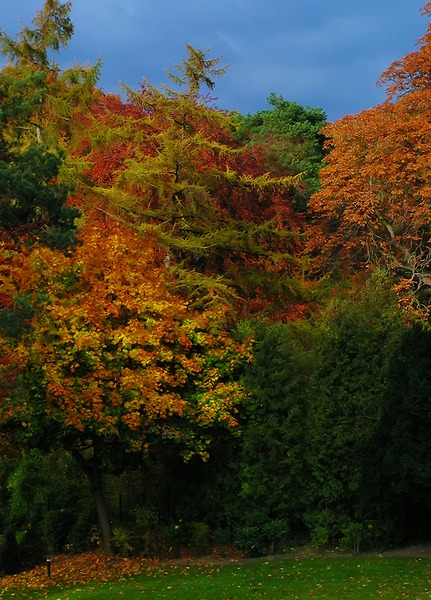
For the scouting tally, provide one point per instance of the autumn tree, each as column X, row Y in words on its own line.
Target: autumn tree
column 37, row 103
column 167, row 162
column 373, row 208
column 114, row 358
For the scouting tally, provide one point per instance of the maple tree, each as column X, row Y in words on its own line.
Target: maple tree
column 373, row 208
column 167, row 162
column 113, row 357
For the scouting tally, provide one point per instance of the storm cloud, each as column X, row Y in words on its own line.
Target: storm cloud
column 321, row 54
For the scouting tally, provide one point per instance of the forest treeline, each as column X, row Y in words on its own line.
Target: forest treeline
column 214, row 327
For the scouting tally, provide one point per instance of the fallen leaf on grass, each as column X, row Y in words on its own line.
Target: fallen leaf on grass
column 68, row 570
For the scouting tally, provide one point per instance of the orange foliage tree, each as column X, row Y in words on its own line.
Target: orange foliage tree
column 112, row 357
column 374, row 205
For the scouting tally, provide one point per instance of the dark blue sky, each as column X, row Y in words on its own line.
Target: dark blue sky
column 317, row 53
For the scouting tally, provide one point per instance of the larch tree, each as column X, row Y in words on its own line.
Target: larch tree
column 53, row 30
column 167, row 162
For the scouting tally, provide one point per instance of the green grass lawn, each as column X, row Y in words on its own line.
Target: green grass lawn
column 336, row 578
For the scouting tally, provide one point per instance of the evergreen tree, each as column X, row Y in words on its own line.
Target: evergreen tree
column 403, row 438
column 31, row 197
column 38, row 102
column 290, row 137
column 356, row 342
column 272, row 467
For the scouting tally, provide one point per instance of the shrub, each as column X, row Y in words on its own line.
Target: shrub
column 147, row 539
column 199, row 538
column 266, row 538
column 122, row 541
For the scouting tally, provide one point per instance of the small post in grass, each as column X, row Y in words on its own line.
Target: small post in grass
column 48, row 566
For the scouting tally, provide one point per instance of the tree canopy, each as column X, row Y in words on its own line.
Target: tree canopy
column 223, row 319
column 292, row 142
column 112, row 356
column 168, row 163
column 373, row 207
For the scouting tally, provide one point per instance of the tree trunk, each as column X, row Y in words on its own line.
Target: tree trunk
column 101, row 510
column 93, row 469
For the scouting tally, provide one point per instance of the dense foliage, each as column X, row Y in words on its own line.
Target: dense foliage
column 291, row 140
column 201, row 342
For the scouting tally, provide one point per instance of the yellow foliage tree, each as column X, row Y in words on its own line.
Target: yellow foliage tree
column 113, row 357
